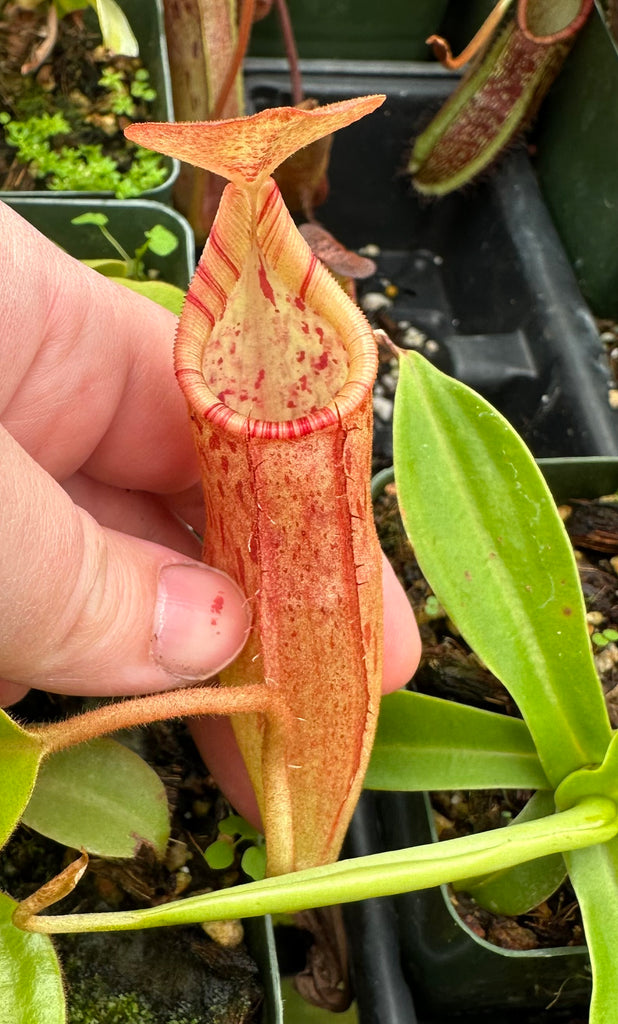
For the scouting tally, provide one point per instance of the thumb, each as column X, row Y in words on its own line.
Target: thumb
column 87, row 610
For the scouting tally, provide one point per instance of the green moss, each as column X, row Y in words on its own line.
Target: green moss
column 91, row 1003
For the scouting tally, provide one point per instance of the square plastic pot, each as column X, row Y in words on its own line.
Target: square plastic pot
column 481, row 273
column 128, row 220
column 413, row 957
column 146, row 20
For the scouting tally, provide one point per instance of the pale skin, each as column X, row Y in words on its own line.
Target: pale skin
column 99, row 479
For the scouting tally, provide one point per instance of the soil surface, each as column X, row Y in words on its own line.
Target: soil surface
column 449, row 669
column 67, row 62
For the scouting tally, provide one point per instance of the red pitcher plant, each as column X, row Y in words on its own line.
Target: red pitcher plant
column 277, row 365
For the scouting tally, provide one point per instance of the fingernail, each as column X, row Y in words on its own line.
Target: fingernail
column 201, row 621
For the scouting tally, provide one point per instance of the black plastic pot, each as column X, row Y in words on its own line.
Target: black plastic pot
column 481, row 273
column 146, row 20
column 432, row 967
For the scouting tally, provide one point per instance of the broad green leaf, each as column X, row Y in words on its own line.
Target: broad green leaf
column 20, row 756
column 594, row 874
column 593, row 821
column 30, row 978
column 100, row 796
column 517, row 890
column 427, row 743
column 161, row 241
column 164, row 294
column 253, row 862
column 117, row 33
column 235, row 825
column 107, row 267
column 489, row 540
column 219, row 855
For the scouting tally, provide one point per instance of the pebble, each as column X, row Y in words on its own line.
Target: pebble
column 383, row 408
column 413, row 338
column 228, row 934
column 370, row 250
column 371, row 302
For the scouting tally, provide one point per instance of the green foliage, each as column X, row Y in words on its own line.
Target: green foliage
column 497, row 556
column 30, row 979
column 83, row 168
column 102, row 797
column 608, row 636
column 236, row 831
column 424, row 743
column 124, row 90
column 158, row 240
column 130, row 271
column 20, row 756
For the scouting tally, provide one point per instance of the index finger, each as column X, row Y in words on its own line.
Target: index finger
column 88, row 375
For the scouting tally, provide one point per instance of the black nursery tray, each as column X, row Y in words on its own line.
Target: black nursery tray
column 480, row 273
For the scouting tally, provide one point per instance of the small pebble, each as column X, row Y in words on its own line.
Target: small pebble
column 383, row 408
column 228, row 934
column 413, row 338
column 612, row 395
column 370, row 250
column 595, row 618
column 371, row 302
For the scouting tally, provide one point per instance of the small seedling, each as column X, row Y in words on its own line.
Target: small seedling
column 130, row 271
column 159, row 241
column 234, row 831
column 608, row 636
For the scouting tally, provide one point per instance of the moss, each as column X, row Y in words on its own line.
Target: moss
column 90, row 1002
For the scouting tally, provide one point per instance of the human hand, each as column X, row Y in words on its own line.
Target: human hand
column 101, row 590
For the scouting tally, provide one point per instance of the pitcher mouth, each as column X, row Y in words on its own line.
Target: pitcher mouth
column 269, row 345
column 358, row 386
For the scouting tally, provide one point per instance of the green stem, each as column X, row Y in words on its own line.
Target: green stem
column 186, row 703
column 592, row 821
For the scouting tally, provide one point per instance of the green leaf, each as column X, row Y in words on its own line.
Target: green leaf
column 161, row 241
column 427, row 743
column 219, row 855
column 593, row 821
column 117, row 33
column 491, row 544
column 594, row 874
column 20, row 756
column 101, row 796
column 234, row 825
column 253, row 862
column 30, row 978
column 99, row 219
column 107, row 267
column 164, row 294
column 517, row 890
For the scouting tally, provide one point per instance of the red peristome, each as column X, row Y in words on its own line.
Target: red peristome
column 526, row 21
